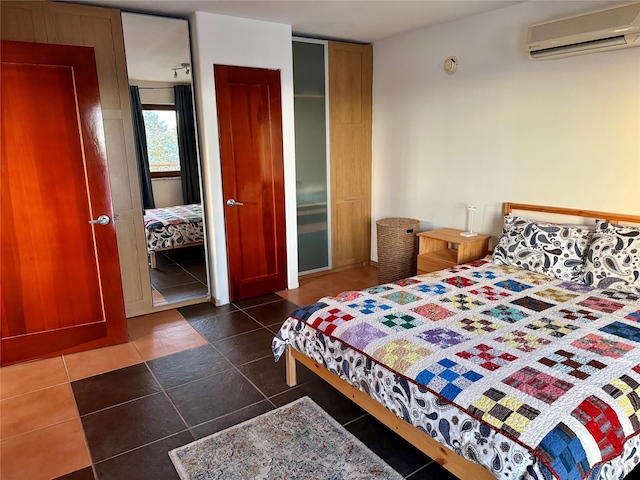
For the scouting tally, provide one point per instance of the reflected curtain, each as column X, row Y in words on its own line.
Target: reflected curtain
column 187, row 144
column 142, row 156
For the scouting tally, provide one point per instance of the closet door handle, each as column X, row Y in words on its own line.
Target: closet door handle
column 232, row 203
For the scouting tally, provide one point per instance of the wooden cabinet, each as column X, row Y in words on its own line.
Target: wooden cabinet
column 100, row 28
column 350, row 110
column 445, row 247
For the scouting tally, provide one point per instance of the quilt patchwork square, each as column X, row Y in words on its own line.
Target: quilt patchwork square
column 626, row 391
column 488, row 274
column 462, row 302
column 553, row 328
column 405, row 282
column 328, row 321
column 579, row 366
column 478, row 326
column 538, row 384
column 602, row 346
column 506, row 314
column 402, row 297
column 522, row 341
column 579, row 314
column 576, row 287
column 563, row 450
column 634, row 316
column 304, row 313
column 489, row 293
column 433, row 311
column 503, row 412
column 507, row 268
column 532, row 304
column 438, row 288
column 619, row 329
column 556, row 295
column 601, row 304
column 487, row 357
column 369, row 306
column 442, row 337
column 361, row 335
column 534, row 278
column 458, row 268
column 602, row 423
column 400, row 322
column 512, row 285
column 447, row 378
column 378, row 289
column 622, row 296
column 400, row 354
column 460, row 282
column 347, row 296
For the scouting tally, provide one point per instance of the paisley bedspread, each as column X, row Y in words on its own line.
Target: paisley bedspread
column 173, row 226
column 529, row 376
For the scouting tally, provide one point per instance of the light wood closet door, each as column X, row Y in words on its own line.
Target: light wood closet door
column 350, row 99
column 100, row 28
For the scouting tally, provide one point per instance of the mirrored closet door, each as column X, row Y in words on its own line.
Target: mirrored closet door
column 312, row 192
column 159, row 70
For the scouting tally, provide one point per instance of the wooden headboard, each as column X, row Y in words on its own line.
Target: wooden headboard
column 610, row 217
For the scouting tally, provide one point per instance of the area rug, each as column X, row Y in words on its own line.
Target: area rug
column 296, row 441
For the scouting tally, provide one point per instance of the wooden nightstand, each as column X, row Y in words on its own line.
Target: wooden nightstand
column 436, row 250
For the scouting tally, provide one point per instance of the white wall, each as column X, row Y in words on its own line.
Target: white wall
column 503, row 128
column 167, row 191
column 218, row 39
column 156, row 93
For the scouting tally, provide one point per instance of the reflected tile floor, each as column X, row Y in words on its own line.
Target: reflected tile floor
column 185, row 374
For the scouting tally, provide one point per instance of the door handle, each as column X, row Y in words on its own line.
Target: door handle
column 232, row 203
column 101, row 220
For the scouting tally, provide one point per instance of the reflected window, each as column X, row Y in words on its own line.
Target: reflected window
column 162, row 140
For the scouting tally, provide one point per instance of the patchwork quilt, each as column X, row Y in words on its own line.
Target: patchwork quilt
column 172, row 226
column 529, row 376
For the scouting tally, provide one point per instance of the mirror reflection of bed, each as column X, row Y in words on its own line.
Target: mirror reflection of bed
column 159, row 69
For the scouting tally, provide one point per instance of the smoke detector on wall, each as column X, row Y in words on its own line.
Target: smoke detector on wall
column 451, row 65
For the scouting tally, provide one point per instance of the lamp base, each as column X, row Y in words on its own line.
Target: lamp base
column 468, row 234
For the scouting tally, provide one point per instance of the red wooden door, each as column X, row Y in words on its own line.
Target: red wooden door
column 250, row 124
column 60, row 279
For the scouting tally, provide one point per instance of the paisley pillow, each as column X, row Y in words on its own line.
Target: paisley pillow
column 553, row 250
column 613, row 259
column 546, row 248
column 511, row 237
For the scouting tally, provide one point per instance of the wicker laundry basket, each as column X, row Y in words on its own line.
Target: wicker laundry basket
column 397, row 248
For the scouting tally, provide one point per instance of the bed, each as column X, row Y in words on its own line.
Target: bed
column 172, row 227
column 495, row 370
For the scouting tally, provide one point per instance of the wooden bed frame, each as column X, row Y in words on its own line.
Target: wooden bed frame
column 454, row 463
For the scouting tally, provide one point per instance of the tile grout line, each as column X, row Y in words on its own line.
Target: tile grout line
column 169, row 398
column 142, row 446
column 355, row 420
column 421, row 468
column 197, row 279
column 84, row 433
column 227, row 414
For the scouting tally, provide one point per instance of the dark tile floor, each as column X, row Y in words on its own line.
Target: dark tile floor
column 180, row 274
column 133, row 416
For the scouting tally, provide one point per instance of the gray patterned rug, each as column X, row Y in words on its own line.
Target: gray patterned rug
column 294, row 442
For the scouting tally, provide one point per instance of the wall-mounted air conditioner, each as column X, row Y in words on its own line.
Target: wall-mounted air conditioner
column 609, row 29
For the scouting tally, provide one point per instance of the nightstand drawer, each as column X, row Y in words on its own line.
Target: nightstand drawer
column 433, row 263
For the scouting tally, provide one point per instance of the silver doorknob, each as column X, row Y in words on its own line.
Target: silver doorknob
column 232, row 203
column 101, row 220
